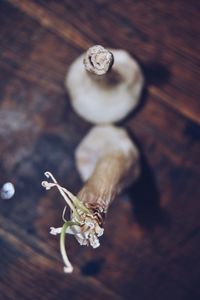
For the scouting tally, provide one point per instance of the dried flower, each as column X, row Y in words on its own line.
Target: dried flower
column 83, row 223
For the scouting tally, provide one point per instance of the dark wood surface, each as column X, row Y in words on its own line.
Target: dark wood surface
column 151, row 246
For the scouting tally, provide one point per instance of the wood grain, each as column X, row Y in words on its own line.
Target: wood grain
column 150, row 249
column 160, row 39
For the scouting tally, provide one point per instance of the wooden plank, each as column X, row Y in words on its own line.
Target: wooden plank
column 52, row 22
column 162, row 50
column 169, row 23
column 172, row 42
column 151, row 232
column 37, row 277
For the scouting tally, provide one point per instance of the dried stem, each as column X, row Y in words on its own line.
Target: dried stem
column 68, row 266
column 98, row 60
column 107, row 180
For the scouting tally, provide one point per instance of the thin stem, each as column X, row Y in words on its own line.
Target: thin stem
column 76, row 201
column 48, row 185
column 68, row 200
column 63, row 214
column 68, row 268
column 70, row 196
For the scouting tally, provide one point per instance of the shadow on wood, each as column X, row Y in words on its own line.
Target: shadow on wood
column 156, row 73
column 145, row 198
column 92, row 267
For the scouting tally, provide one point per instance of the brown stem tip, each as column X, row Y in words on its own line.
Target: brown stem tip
column 98, row 60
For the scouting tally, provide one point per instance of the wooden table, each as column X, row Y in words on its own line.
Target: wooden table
column 151, row 246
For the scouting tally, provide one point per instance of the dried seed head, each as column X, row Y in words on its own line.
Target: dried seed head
column 98, row 60
column 84, row 225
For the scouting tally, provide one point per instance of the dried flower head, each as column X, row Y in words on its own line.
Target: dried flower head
column 83, row 224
